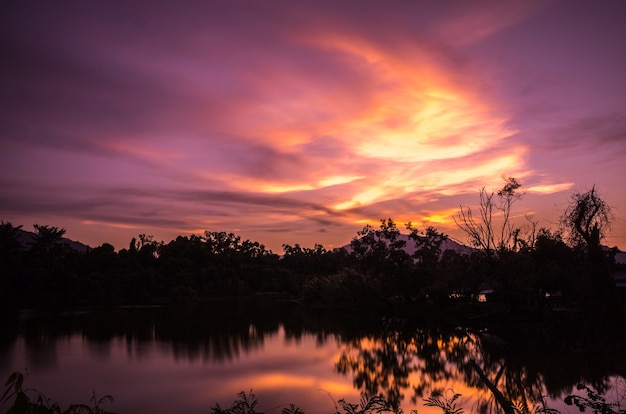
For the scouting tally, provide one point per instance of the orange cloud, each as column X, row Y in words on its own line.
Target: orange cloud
column 416, row 119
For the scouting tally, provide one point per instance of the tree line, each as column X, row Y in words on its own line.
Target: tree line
column 519, row 266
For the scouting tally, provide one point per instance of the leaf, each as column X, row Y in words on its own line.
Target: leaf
column 292, row 410
column 14, row 386
column 11, row 379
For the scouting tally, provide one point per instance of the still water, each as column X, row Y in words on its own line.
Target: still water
column 171, row 360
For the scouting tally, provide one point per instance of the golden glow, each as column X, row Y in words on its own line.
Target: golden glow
column 336, row 180
column 111, row 224
column 278, row 188
column 278, row 380
column 433, row 125
column 411, row 131
column 337, row 388
column 440, row 217
column 549, row 188
column 420, row 130
column 363, row 198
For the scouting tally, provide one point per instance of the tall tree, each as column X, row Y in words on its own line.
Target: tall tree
column 47, row 237
column 9, row 242
column 586, row 221
column 381, row 254
column 10, row 263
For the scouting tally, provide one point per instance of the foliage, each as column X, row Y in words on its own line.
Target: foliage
column 445, row 402
column 369, row 405
column 31, row 401
column 8, row 237
column 587, row 218
column 246, row 403
column 47, row 237
column 292, row 409
column 596, row 402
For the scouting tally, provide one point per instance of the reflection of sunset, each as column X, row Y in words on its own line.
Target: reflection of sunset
column 279, row 380
column 144, row 356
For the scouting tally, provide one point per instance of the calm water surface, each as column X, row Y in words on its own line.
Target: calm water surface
column 171, row 360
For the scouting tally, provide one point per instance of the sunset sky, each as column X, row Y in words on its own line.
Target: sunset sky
column 302, row 121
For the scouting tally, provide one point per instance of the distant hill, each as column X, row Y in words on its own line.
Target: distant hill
column 448, row 244
column 26, row 238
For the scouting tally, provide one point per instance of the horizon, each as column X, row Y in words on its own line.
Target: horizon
column 301, row 123
column 403, row 234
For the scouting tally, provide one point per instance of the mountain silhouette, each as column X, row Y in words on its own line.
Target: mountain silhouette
column 409, row 247
column 26, row 239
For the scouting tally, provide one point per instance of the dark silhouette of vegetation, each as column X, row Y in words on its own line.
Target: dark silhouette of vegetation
column 585, row 221
column 448, row 404
column 524, row 272
column 31, row 401
column 490, row 236
column 595, row 401
column 587, row 218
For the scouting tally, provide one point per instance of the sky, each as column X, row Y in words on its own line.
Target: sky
column 301, row 122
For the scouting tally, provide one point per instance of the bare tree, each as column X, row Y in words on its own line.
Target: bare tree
column 481, row 231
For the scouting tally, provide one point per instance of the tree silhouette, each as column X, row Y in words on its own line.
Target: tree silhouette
column 47, row 237
column 9, row 242
column 586, row 219
column 10, row 263
column 380, row 253
column 482, row 232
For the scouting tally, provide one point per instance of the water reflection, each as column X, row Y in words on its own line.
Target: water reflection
column 408, row 362
column 287, row 354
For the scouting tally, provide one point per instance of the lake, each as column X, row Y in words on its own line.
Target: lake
column 187, row 359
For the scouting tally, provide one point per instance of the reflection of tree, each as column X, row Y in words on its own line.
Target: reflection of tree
column 383, row 366
column 531, row 367
column 507, row 374
column 213, row 332
column 486, row 364
column 397, row 360
column 216, row 332
column 393, row 362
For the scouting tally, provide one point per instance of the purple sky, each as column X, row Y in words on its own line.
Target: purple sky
column 300, row 122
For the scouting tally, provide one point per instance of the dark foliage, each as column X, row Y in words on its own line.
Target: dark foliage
column 31, row 401
column 381, row 269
